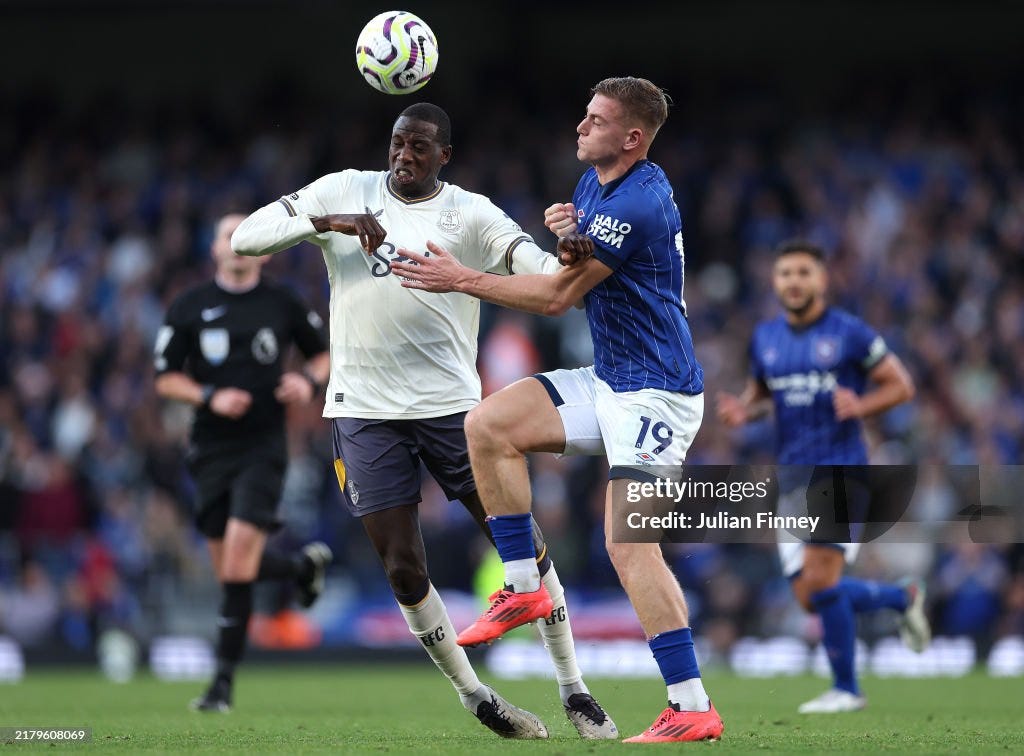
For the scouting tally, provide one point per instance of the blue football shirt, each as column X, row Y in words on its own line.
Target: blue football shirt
column 802, row 367
column 637, row 315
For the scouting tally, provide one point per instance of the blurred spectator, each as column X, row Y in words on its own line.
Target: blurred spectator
column 29, row 609
column 969, row 585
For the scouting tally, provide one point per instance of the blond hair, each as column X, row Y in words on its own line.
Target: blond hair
column 640, row 98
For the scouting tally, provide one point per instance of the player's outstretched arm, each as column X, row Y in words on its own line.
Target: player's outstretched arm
column 541, row 294
column 272, row 229
column 528, row 258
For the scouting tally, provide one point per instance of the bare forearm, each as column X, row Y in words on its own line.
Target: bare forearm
column 536, row 293
column 883, row 398
column 179, row 387
column 891, row 384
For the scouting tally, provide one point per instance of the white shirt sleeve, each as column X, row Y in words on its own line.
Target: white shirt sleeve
column 506, row 248
column 286, row 222
column 271, row 229
column 527, row 257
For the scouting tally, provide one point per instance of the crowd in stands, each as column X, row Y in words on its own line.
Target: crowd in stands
column 106, row 213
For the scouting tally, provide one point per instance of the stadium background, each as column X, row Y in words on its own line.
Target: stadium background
column 890, row 135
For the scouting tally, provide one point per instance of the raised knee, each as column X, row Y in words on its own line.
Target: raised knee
column 404, row 576
column 484, row 430
column 478, row 425
column 809, row 583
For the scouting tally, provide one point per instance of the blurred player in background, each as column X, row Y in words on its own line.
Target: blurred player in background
column 222, row 349
column 404, row 376
column 815, row 363
column 644, row 395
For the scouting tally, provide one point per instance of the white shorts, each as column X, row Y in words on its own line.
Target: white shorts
column 791, row 553
column 646, row 427
column 794, row 502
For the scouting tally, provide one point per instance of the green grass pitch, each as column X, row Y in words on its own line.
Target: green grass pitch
column 411, row 709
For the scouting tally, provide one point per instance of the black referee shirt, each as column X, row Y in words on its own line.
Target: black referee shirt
column 240, row 340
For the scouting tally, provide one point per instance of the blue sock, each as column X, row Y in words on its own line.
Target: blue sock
column 867, row 595
column 839, row 635
column 673, row 650
column 513, row 536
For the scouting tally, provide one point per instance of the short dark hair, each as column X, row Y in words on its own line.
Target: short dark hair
column 426, row 111
column 641, row 98
column 800, row 246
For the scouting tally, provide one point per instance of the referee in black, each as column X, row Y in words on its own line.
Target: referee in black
column 222, row 349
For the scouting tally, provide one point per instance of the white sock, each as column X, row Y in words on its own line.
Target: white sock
column 557, row 634
column 472, row 700
column 689, row 694
column 429, row 622
column 522, row 575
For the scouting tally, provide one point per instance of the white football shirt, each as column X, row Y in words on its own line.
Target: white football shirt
column 397, row 353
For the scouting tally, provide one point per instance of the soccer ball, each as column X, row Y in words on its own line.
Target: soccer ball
column 396, row 52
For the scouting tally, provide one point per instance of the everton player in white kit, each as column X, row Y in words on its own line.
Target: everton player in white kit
column 644, row 393
column 815, row 364
column 403, row 376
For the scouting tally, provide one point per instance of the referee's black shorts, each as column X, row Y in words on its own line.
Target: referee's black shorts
column 241, row 480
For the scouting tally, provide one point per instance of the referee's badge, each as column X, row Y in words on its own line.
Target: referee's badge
column 214, row 343
column 450, row 221
column 264, row 346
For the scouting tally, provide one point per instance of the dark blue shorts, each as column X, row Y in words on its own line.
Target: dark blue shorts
column 378, row 461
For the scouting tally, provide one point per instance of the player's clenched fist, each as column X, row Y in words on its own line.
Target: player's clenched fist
column 561, row 218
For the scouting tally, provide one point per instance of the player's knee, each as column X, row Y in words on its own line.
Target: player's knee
column 482, row 429
column 406, row 576
column 478, row 427
column 810, row 582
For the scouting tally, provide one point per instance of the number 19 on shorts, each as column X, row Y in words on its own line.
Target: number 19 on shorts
column 657, row 431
